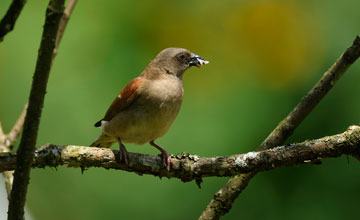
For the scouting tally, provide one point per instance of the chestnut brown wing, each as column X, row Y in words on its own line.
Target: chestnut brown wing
column 127, row 95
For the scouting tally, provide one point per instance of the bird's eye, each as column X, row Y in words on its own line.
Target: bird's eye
column 182, row 56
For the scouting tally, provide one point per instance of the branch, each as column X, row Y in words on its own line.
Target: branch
column 2, row 134
column 8, row 177
column 26, row 149
column 7, row 23
column 64, row 20
column 224, row 198
column 7, row 141
column 6, row 144
column 16, row 129
column 192, row 167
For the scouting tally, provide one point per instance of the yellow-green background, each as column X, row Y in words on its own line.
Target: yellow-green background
column 264, row 56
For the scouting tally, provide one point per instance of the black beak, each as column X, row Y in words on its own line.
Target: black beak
column 196, row 60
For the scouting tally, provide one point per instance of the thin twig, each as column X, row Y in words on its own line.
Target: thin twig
column 9, row 140
column 8, row 175
column 6, row 144
column 8, row 179
column 7, row 23
column 192, row 167
column 26, row 149
column 224, row 198
column 64, row 20
column 2, row 134
column 16, row 129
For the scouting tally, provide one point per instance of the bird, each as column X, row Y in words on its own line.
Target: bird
column 147, row 106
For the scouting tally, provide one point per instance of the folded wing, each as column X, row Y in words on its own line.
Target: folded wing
column 127, row 96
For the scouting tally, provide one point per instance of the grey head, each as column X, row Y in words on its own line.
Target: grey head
column 176, row 61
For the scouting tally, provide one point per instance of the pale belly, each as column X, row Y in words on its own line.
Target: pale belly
column 141, row 124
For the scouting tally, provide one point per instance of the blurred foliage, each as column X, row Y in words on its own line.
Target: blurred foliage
column 264, row 56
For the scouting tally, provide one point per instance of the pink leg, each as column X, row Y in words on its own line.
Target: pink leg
column 164, row 155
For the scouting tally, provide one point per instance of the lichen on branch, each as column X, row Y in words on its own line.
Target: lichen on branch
column 224, row 198
column 189, row 167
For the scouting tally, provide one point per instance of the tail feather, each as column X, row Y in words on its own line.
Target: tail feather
column 103, row 141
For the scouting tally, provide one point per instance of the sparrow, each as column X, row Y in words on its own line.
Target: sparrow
column 147, row 106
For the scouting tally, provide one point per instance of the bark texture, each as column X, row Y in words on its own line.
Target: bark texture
column 224, row 198
column 7, row 142
column 189, row 167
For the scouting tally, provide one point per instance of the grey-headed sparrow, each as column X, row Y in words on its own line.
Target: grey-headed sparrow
column 147, row 106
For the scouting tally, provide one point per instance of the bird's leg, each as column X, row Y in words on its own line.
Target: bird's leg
column 164, row 155
column 124, row 156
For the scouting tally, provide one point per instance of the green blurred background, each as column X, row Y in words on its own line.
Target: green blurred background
column 264, row 56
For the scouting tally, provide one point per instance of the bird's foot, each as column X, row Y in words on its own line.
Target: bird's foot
column 166, row 159
column 123, row 155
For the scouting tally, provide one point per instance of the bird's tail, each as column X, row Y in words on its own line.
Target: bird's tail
column 104, row 141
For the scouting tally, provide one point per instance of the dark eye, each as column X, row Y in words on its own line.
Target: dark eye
column 182, row 57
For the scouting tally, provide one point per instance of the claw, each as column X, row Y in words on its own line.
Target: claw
column 166, row 159
column 123, row 154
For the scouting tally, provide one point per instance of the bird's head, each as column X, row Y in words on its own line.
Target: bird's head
column 176, row 60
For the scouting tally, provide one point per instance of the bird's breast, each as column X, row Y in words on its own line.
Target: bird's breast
column 164, row 92
column 151, row 114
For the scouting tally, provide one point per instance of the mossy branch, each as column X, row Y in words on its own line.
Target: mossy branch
column 192, row 167
column 7, row 142
column 224, row 198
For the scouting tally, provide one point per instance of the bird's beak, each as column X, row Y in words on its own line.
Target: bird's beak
column 196, row 60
